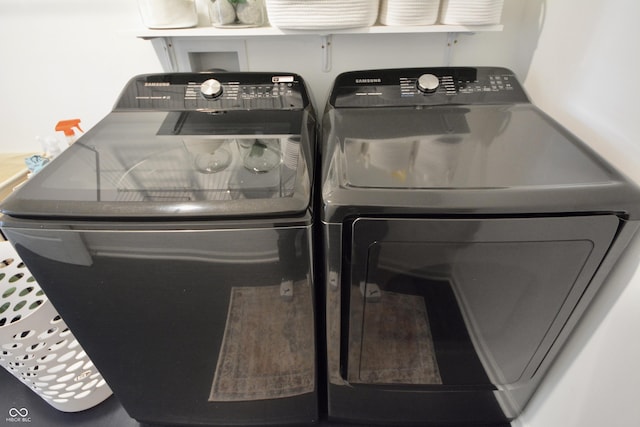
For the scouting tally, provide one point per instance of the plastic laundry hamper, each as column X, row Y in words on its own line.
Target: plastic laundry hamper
column 37, row 347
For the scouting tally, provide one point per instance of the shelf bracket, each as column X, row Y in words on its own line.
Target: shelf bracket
column 165, row 52
column 452, row 40
column 325, row 41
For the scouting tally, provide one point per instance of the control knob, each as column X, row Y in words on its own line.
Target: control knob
column 211, row 89
column 428, row 83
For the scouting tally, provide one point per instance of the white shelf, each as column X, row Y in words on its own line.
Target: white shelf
column 169, row 43
column 272, row 31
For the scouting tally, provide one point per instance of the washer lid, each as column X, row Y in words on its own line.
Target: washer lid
column 177, row 164
column 480, row 158
column 457, row 147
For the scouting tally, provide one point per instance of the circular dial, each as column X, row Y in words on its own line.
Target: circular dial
column 211, row 89
column 428, row 83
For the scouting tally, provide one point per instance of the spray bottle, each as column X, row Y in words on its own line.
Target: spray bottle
column 67, row 126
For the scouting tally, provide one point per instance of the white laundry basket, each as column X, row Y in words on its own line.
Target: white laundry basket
column 322, row 14
column 409, row 12
column 37, row 347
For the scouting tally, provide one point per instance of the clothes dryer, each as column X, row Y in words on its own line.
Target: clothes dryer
column 465, row 232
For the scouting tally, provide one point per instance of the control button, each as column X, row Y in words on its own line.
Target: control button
column 428, row 83
column 211, row 89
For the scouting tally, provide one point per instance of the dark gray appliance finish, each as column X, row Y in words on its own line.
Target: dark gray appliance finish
column 465, row 232
column 175, row 240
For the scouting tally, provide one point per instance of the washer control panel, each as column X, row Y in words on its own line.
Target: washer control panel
column 427, row 86
column 214, row 92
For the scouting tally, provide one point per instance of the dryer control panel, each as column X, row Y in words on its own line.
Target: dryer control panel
column 427, row 86
column 214, row 92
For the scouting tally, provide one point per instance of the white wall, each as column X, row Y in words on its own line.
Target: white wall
column 64, row 59
column 583, row 74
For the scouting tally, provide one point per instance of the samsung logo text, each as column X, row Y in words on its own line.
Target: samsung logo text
column 375, row 80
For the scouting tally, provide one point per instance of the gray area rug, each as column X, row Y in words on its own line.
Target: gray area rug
column 268, row 349
column 396, row 345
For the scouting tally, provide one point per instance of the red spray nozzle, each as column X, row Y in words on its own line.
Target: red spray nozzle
column 67, row 126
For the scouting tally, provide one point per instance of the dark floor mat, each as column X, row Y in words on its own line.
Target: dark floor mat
column 268, row 349
column 396, row 347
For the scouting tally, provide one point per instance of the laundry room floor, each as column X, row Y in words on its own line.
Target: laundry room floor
column 109, row 413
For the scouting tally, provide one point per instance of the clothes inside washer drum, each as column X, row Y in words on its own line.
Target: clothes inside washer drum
column 268, row 349
column 396, row 345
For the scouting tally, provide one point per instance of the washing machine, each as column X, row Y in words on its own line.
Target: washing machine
column 174, row 238
column 464, row 234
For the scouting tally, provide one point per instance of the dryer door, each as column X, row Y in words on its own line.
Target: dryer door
column 464, row 302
